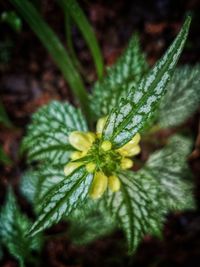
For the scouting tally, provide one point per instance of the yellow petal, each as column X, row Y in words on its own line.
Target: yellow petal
column 132, row 151
column 80, row 140
column 106, row 145
column 126, row 163
column 91, row 136
column 90, row 167
column 99, row 185
column 100, row 125
column 114, row 183
column 128, row 149
column 72, row 166
column 76, row 155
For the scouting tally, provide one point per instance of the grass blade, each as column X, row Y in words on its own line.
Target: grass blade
column 73, row 8
column 56, row 50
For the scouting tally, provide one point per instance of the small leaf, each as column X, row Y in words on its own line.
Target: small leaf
column 125, row 73
column 47, row 138
column 13, row 225
column 182, row 98
column 135, row 111
column 63, row 199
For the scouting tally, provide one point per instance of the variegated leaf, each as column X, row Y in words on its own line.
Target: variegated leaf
column 13, row 226
column 36, row 184
column 63, row 199
column 125, row 73
column 182, row 97
column 170, row 168
column 147, row 195
column 47, row 137
column 136, row 206
column 134, row 111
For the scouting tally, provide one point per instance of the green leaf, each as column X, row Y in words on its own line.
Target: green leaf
column 29, row 185
column 12, row 19
column 90, row 222
column 170, row 168
column 35, row 184
column 56, row 50
column 135, row 111
column 47, row 138
column 135, row 207
column 125, row 73
column 72, row 8
column 4, row 117
column 4, row 158
column 182, row 98
column 63, row 199
column 13, row 225
column 147, row 195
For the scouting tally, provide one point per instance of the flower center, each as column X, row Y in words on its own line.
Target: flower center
column 106, row 160
column 100, row 158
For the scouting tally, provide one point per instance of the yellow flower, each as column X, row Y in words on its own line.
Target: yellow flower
column 107, row 160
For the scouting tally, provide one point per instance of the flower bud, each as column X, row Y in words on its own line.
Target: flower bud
column 106, row 145
column 72, row 166
column 100, row 125
column 126, row 163
column 131, row 148
column 90, row 167
column 130, row 152
column 114, row 183
column 99, row 185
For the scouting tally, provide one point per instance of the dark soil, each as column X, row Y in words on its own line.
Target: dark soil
column 30, row 79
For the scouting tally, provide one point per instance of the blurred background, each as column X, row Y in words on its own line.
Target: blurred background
column 29, row 79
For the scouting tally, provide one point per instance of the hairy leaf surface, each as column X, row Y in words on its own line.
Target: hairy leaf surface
column 125, row 73
column 147, row 195
column 47, row 138
column 63, row 199
column 169, row 167
column 182, row 98
column 134, row 111
column 13, row 226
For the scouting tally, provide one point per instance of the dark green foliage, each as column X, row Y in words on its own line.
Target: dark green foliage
column 124, row 74
column 47, row 138
column 13, row 227
column 182, row 98
column 147, row 195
